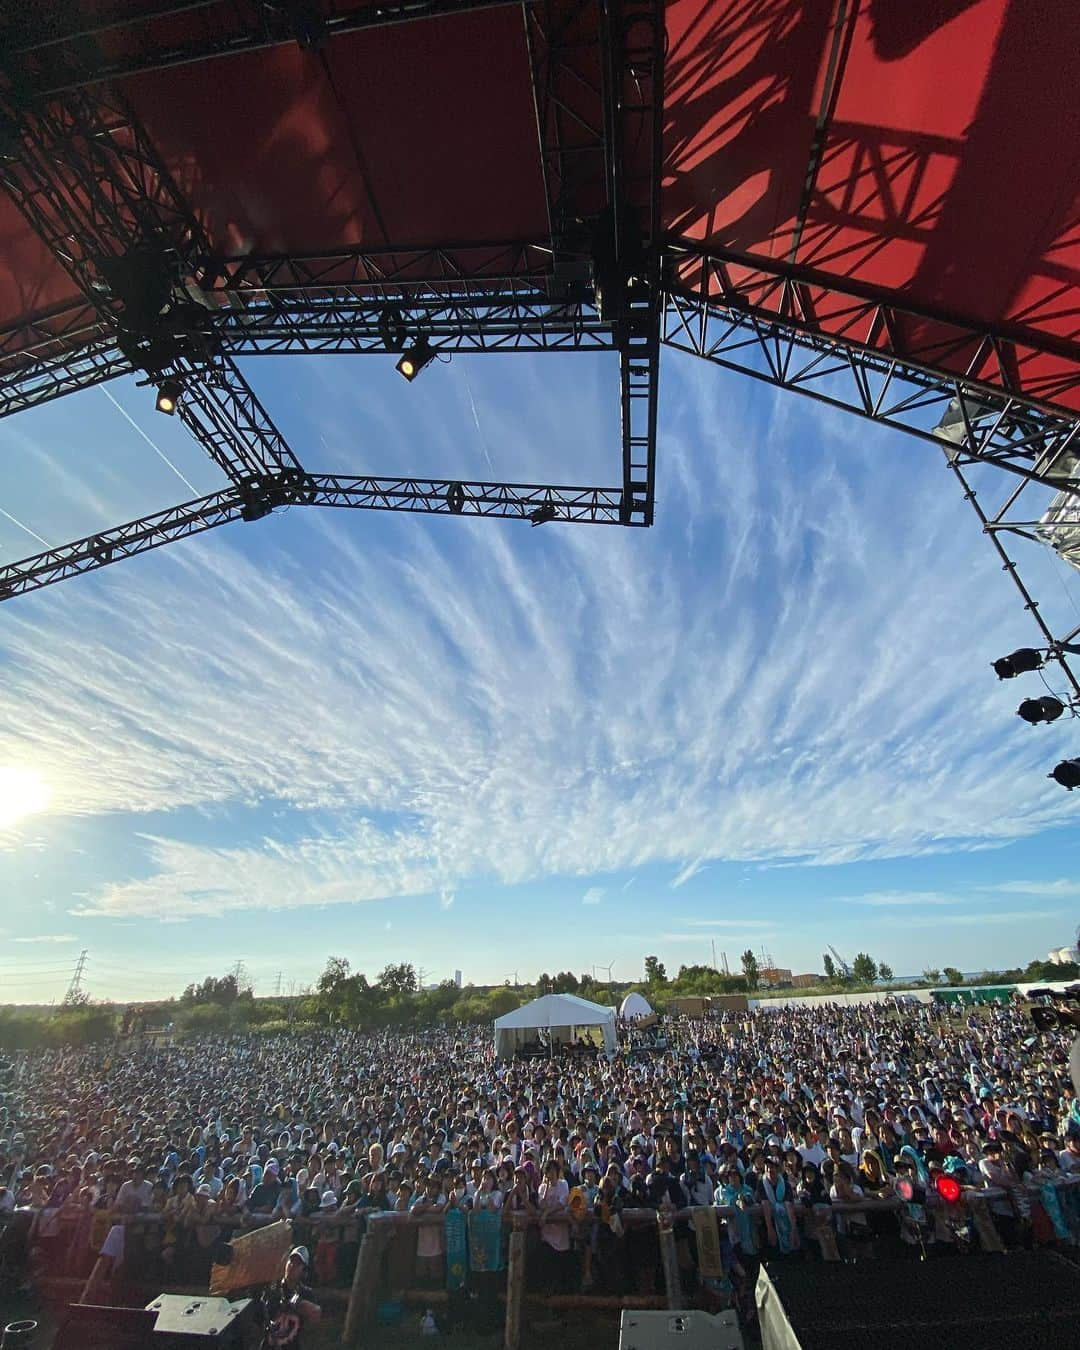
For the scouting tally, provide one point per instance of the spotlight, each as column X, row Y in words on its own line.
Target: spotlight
column 905, row 1190
column 1067, row 773
column 167, row 396
column 948, row 1188
column 542, row 514
column 1017, row 663
column 414, row 358
column 1045, row 709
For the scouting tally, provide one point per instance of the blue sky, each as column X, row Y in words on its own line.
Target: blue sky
column 769, row 721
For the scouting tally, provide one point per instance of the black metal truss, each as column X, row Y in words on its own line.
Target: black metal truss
column 40, row 379
column 565, row 59
column 997, row 524
column 537, row 504
column 223, row 413
column 762, row 326
column 87, row 180
column 634, row 46
column 59, row 56
column 333, row 327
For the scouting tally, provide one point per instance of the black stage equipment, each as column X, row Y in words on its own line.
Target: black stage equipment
column 1023, row 1299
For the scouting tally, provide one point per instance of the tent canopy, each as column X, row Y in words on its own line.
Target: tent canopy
column 562, row 1016
column 634, row 1005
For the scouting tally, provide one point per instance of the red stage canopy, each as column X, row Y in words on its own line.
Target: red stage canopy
column 926, row 151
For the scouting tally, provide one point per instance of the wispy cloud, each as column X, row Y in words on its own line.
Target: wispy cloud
column 690, row 870
column 1063, row 886
column 48, row 937
column 593, row 895
column 891, row 899
column 731, row 923
column 464, row 700
column 994, row 917
column 446, row 899
column 736, row 938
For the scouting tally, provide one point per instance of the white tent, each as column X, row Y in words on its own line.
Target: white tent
column 634, row 1005
column 560, row 1016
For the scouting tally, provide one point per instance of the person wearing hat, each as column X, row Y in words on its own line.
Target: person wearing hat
column 288, row 1304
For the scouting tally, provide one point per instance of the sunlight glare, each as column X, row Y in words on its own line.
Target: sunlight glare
column 22, row 793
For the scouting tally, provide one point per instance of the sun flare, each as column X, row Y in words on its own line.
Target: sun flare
column 22, row 793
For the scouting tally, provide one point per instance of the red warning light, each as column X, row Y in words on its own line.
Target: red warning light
column 948, row 1188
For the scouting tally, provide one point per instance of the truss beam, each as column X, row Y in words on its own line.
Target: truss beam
column 634, row 42
column 90, row 184
column 537, row 504
column 1057, row 648
column 565, row 58
column 862, row 370
column 933, row 345
column 59, row 58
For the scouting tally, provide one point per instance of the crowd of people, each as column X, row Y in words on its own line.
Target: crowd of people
column 770, row 1115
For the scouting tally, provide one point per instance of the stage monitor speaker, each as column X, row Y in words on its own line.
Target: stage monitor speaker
column 692, row 1330
column 186, row 1323
column 170, row 1322
column 975, row 1301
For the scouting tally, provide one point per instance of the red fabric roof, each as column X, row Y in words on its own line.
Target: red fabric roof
column 948, row 152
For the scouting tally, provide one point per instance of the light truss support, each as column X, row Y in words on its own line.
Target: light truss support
column 565, row 57
column 123, row 541
column 90, row 184
column 995, row 527
column 30, row 381
column 390, row 272
column 536, row 504
column 634, row 43
column 494, row 324
column 222, row 412
column 861, row 370
column 59, row 56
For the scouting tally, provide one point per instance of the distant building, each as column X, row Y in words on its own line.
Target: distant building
column 774, row 977
column 457, row 978
column 805, row 981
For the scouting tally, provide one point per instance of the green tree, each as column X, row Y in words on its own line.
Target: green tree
column 565, row 983
column 932, row 976
column 750, row 968
column 223, row 991
column 953, row 975
column 885, row 972
column 654, row 971
column 830, row 966
column 864, row 968
column 396, row 980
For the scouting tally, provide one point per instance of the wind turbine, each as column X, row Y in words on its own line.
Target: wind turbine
column 608, row 968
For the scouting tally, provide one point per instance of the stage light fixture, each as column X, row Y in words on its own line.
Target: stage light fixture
column 168, row 395
column 948, row 1188
column 1067, row 773
column 542, row 514
column 1045, row 709
column 414, row 358
column 1020, row 662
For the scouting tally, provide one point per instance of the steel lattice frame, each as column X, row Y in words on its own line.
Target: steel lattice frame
column 91, row 186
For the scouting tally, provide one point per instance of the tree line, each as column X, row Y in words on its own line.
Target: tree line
column 346, row 997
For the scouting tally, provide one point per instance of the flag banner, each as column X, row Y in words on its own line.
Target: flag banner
column 457, row 1248
column 710, row 1262
column 485, row 1239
